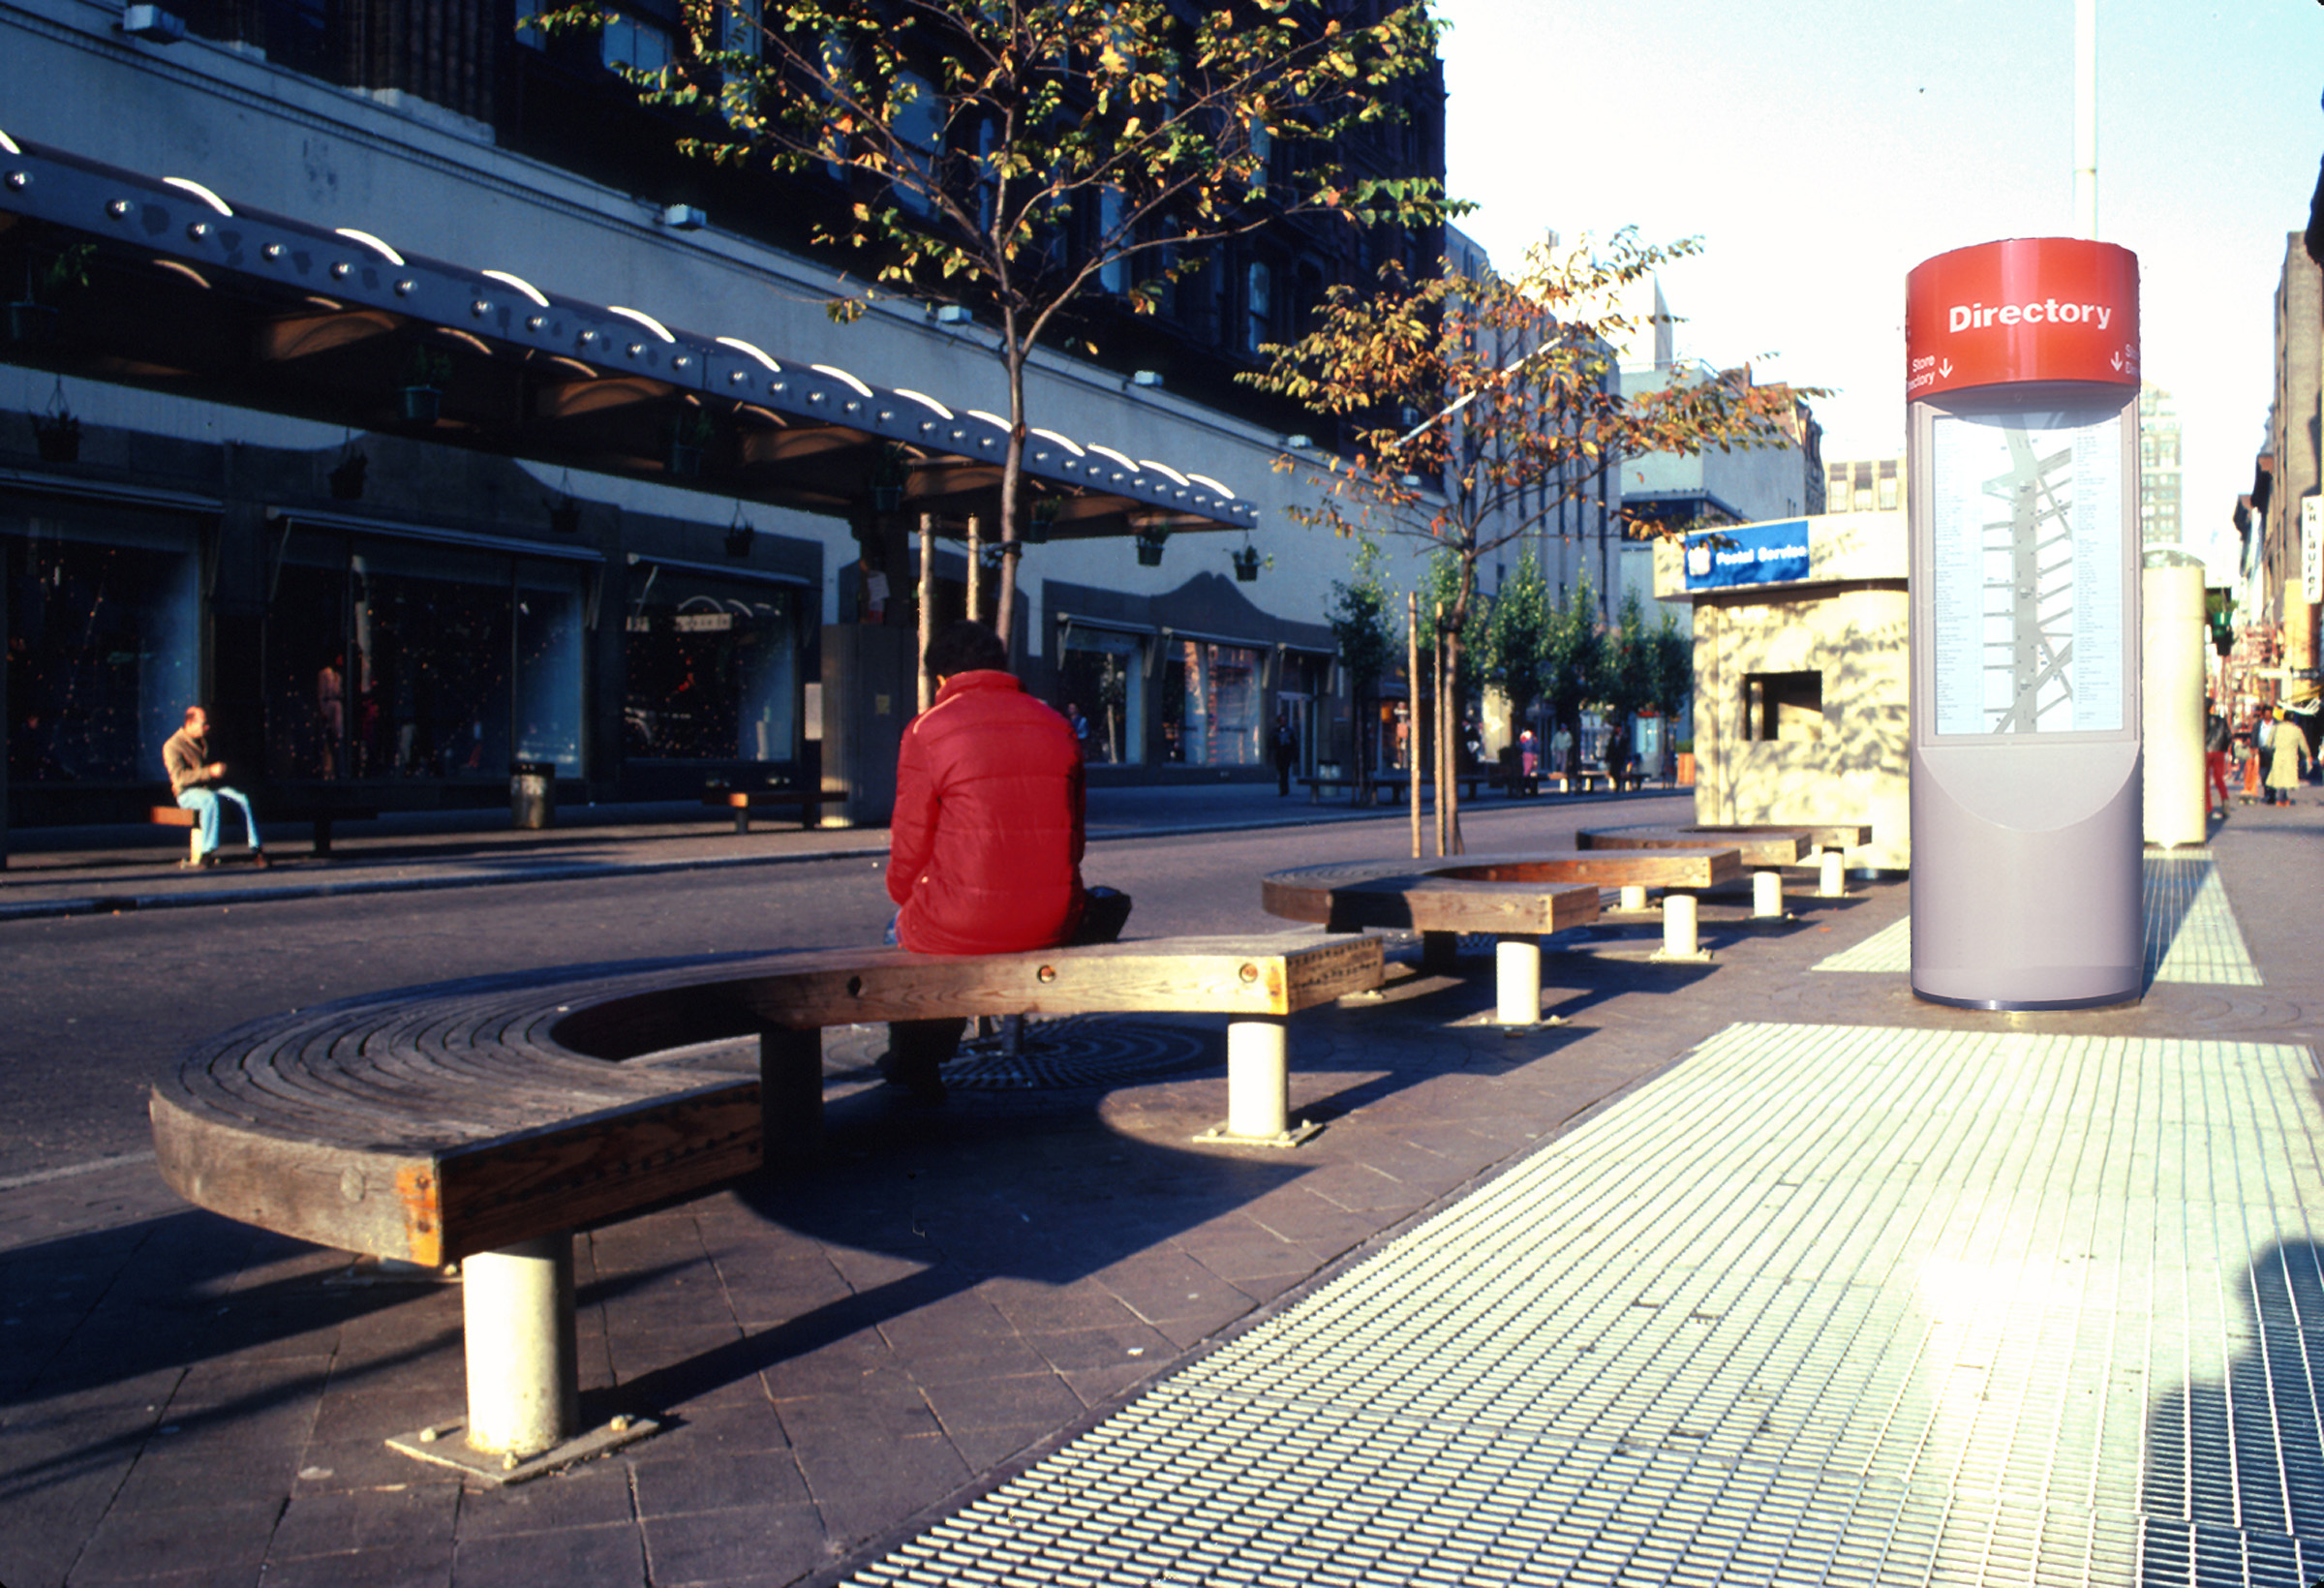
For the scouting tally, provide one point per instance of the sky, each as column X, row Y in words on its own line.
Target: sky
column 1822, row 148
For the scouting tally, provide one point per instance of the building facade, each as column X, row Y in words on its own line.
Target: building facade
column 2160, row 519
column 380, row 376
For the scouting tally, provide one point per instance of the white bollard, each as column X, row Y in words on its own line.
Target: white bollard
column 1634, row 896
column 524, row 1376
column 1518, row 980
column 1257, row 1077
column 1766, row 894
column 1833, row 883
column 1680, row 939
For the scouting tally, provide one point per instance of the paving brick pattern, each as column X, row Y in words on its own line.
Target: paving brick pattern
column 2015, row 1299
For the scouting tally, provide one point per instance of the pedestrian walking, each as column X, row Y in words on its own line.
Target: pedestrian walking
column 2287, row 759
column 1286, row 753
column 2216, row 738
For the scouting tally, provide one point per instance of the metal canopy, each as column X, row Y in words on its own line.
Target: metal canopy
column 189, row 292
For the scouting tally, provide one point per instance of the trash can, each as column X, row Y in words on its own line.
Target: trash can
column 532, row 794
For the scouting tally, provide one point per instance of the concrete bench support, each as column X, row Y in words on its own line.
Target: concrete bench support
column 1518, row 979
column 1832, row 877
column 1682, row 938
column 1767, row 895
column 524, row 1377
column 1258, row 1083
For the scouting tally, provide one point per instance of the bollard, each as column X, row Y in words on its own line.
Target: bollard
column 1680, row 940
column 1833, row 883
column 1257, row 1078
column 524, row 1378
column 1634, row 896
column 1518, row 980
column 1766, row 894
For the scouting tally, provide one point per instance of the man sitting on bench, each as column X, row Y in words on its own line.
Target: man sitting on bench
column 984, row 848
column 198, row 783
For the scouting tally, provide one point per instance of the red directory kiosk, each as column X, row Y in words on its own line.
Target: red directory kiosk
column 2022, row 382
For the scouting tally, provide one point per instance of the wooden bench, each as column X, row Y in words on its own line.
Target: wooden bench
column 485, row 1121
column 321, row 816
column 742, row 801
column 1759, row 846
column 1519, row 898
column 1389, row 788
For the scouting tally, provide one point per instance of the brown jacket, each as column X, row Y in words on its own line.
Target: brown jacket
column 185, row 756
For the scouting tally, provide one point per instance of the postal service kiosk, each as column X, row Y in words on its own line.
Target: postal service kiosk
column 1799, row 674
column 2022, row 447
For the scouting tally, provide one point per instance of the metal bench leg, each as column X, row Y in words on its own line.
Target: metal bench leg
column 524, row 1370
column 790, row 1095
column 741, row 819
column 1518, row 980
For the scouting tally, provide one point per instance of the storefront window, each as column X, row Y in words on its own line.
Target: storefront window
column 1210, row 705
column 714, row 668
column 103, row 641
column 1099, row 673
column 388, row 659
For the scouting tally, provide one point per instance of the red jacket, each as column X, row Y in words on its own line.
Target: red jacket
column 984, row 849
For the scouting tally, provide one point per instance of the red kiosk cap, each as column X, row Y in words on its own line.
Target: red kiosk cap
column 2025, row 309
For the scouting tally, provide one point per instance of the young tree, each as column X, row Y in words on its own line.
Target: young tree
column 1673, row 681
column 1573, row 666
column 1016, row 155
column 1480, row 402
column 1517, row 638
column 1364, row 622
column 1632, row 672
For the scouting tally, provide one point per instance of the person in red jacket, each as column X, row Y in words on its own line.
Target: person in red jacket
column 985, row 846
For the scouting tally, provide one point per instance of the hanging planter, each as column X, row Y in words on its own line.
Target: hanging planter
column 1246, row 564
column 1149, row 547
column 419, row 400
column 888, row 478
column 740, row 535
column 1039, row 520
column 32, row 323
column 689, row 438
column 57, row 429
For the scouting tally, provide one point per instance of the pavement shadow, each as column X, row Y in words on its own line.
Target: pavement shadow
column 2234, row 1474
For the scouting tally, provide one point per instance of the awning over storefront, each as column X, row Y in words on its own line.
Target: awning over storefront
column 166, row 286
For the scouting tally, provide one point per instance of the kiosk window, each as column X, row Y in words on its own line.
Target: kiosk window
column 1782, row 706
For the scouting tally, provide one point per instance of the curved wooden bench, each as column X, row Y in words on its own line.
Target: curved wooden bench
column 486, row 1120
column 1519, row 898
column 1759, row 846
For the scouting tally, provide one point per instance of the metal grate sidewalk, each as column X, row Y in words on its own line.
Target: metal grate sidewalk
column 1821, row 1304
column 2191, row 935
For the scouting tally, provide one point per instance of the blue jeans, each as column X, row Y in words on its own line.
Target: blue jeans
column 204, row 803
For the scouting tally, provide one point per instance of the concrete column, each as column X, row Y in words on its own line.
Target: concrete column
column 524, row 1377
column 1518, row 980
column 2171, row 703
column 1680, row 938
column 1832, row 879
column 1257, row 1077
column 1767, row 894
column 790, row 1095
column 1634, row 896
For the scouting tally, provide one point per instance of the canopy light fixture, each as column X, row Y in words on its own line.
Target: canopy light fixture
column 152, row 24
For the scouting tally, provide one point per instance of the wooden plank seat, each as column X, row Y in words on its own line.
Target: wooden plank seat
column 1518, row 897
column 1759, row 846
column 742, row 801
column 485, row 1121
column 177, row 815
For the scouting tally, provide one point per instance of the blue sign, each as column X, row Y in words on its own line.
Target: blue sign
column 1747, row 554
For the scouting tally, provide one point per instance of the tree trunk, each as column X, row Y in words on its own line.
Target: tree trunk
column 1012, row 481
column 928, row 607
column 976, row 567
column 1411, row 711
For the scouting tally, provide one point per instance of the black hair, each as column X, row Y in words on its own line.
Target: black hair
column 966, row 647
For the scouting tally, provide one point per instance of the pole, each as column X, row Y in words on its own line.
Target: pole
column 2086, row 119
column 1437, row 769
column 1411, row 711
column 976, row 566
column 927, row 606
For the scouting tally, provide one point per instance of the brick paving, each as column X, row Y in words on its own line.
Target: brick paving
column 855, row 1361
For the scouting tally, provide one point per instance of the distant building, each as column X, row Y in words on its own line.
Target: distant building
column 1701, row 490
column 1864, row 485
column 2158, row 516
